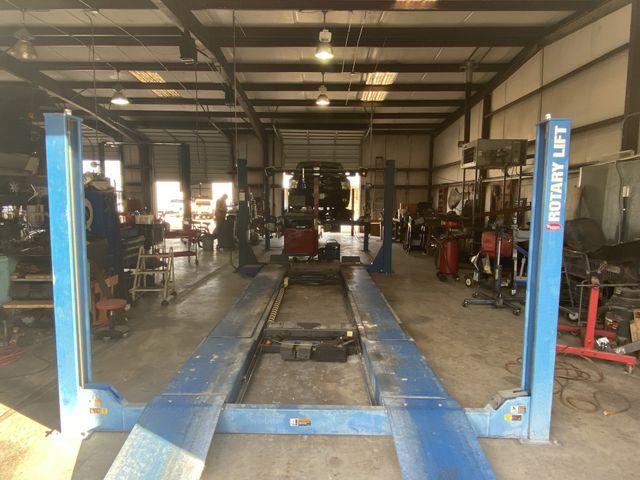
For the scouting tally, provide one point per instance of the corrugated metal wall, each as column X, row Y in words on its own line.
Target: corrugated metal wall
column 210, row 161
column 321, row 146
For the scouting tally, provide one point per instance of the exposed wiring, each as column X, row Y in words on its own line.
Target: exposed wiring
column 567, row 372
column 346, row 41
column 235, row 95
column 355, row 53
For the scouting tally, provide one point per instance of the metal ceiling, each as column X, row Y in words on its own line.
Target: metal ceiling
column 265, row 48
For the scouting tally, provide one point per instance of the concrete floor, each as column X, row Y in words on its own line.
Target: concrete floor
column 467, row 348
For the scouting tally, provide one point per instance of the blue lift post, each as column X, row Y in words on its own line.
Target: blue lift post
column 525, row 413
column 433, row 435
column 543, row 281
column 69, row 264
column 84, row 406
column 382, row 262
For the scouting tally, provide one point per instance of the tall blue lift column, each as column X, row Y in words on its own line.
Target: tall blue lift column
column 382, row 262
column 545, row 261
column 69, row 262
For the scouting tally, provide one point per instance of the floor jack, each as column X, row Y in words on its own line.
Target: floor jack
column 591, row 347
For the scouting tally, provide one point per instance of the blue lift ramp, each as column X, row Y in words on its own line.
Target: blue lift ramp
column 431, row 432
column 174, row 432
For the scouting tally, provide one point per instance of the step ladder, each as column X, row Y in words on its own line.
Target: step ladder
column 163, row 263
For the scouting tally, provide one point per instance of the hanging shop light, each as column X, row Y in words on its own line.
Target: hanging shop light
column 188, row 50
column 119, row 97
column 323, row 98
column 324, row 51
column 23, row 48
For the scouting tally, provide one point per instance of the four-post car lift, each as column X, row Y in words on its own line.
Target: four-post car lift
column 433, row 435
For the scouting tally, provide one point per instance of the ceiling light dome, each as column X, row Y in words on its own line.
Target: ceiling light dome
column 23, row 48
column 119, row 98
column 324, row 51
column 323, row 98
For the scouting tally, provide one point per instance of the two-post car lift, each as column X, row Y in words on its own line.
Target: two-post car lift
column 434, row 436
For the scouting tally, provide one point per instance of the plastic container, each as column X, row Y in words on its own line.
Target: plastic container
column 7, row 265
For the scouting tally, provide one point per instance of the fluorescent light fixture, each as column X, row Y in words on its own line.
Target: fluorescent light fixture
column 373, row 96
column 378, row 78
column 144, row 76
column 23, row 48
column 119, row 98
column 381, row 78
column 323, row 98
column 324, row 50
column 166, row 92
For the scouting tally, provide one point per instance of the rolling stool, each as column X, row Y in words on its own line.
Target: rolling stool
column 113, row 308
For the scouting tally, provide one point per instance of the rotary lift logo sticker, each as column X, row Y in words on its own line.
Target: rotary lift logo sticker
column 299, row 422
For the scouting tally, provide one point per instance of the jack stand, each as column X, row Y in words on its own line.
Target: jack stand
column 588, row 349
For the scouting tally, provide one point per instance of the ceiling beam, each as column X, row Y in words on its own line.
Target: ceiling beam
column 326, row 115
column 301, row 67
column 271, row 37
column 171, row 125
column 268, row 37
column 179, row 12
column 565, row 28
column 336, row 67
column 76, row 5
column 277, row 87
column 288, row 103
column 29, row 74
column 343, row 5
column 394, row 5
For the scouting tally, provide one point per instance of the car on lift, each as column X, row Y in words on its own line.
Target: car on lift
column 334, row 192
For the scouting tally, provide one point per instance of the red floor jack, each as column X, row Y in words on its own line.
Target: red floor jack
column 589, row 347
column 447, row 258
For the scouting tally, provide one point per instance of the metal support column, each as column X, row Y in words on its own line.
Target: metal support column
column 102, row 158
column 146, row 175
column 631, row 124
column 69, row 264
column 382, row 262
column 185, row 181
column 367, row 216
column 543, row 282
column 245, row 253
column 266, row 211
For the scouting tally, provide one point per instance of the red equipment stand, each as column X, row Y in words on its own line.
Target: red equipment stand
column 588, row 349
column 189, row 236
column 300, row 235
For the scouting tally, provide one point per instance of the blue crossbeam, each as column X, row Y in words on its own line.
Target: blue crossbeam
column 431, row 432
column 174, row 432
column 304, row 420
